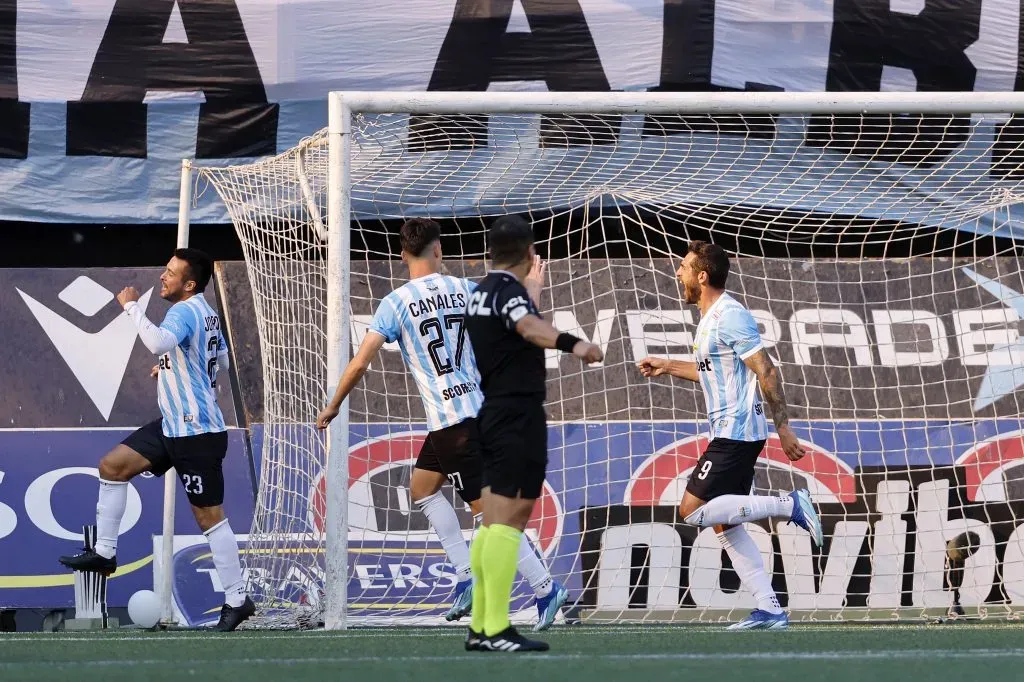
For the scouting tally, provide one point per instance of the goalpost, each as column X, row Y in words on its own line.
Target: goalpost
column 872, row 236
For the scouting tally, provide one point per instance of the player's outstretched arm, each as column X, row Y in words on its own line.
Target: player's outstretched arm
column 541, row 333
column 770, row 380
column 655, row 367
column 354, row 371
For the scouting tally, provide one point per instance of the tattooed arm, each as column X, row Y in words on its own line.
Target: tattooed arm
column 770, row 381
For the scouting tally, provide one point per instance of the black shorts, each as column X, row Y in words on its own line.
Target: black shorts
column 725, row 468
column 455, row 452
column 514, row 440
column 198, row 460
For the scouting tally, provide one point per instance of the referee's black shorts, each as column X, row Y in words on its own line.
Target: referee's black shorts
column 725, row 468
column 514, row 444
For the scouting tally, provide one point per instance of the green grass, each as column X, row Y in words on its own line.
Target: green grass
column 593, row 654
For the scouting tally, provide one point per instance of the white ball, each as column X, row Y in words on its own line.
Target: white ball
column 144, row 608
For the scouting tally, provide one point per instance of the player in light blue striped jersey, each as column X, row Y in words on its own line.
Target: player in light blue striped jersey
column 188, row 371
column 190, row 436
column 426, row 316
column 736, row 373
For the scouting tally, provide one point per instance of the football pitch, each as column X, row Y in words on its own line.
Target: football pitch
column 591, row 653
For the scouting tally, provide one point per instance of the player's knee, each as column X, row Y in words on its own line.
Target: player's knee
column 424, row 484
column 692, row 516
column 421, row 501
column 208, row 517
column 113, row 468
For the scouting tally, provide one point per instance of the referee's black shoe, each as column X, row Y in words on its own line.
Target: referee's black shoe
column 232, row 616
column 510, row 641
column 90, row 561
column 473, row 640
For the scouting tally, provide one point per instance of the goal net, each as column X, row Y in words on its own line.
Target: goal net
column 873, row 241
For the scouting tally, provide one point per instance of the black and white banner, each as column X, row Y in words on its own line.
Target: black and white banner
column 100, row 99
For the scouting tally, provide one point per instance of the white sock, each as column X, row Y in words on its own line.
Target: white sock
column 442, row 518
column 226, row 561
column 746, row 561
column 533, row 569
column 732, row 510
column 110, row 507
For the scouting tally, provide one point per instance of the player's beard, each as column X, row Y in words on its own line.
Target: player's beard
column 691, row 294
column 169, row 294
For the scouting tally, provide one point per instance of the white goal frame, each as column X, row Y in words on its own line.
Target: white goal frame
column 344, row 106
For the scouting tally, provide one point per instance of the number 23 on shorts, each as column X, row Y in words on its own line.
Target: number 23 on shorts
column 193, row 483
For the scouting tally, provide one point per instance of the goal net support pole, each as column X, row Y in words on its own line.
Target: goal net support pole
column 164, row 586
column 339, row 310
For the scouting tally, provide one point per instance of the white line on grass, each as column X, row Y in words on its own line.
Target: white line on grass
column 909, row 654
column 452, row 632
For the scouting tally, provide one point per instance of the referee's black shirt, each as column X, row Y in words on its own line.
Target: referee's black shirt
column 510, row 366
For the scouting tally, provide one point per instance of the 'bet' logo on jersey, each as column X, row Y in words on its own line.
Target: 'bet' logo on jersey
column 380, row 471
column 994, row 469
column 661, row 478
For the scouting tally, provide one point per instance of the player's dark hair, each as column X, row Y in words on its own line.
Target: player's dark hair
column 712, row 259
column 509, row 239
column 200, row 266
column 418, row 235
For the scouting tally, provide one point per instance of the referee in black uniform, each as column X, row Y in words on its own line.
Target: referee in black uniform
column 509, row 337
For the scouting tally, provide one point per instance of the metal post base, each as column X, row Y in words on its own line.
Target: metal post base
column 78, row 624
column 90, row 595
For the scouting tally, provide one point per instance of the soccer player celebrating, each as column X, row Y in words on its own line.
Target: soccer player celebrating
column 190, row 436
column 427, row 318
column 509, row 336
column 731, row 366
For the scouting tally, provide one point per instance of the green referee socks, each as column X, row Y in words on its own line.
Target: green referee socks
column 500, row 554
column 476, row 564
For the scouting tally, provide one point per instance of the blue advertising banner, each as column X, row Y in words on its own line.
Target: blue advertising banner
column 615, row 486
column 48, row 492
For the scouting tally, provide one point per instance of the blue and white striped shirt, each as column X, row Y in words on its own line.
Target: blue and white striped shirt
column 188, row 372
column 726, row 336
column 427, row 316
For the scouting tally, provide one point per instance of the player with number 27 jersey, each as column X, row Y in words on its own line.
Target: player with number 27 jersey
column 427, row 317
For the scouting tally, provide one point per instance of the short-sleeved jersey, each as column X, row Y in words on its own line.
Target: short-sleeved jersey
column 509, row 364
column 188, row 373
column 726, row 336
column 427, row 316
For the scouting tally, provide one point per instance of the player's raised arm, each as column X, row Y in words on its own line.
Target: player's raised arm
column 770, row 381
column 353, row 373
column 176, row 327
column 534, row 280
column 655, row 367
